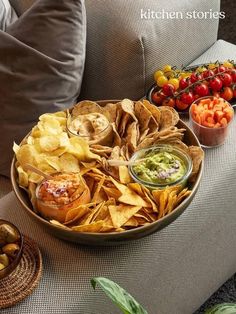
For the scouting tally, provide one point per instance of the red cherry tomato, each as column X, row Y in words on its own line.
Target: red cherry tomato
column 234, row 91
column 169, row 102
column 208, row 73
column 233, row 75
column 195, row 77
column 226, row 79
column 184, row 82
column 220, row 68
column 227, row 93
column 168, row 89
column 180, row 105
column 187, row 98
column 216, row 84
column 201, row 89
column 157, row 97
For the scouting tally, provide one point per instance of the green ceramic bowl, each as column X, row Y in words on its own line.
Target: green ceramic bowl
column 112, row 238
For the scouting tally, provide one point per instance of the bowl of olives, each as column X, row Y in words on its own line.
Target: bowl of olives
column 11, row 245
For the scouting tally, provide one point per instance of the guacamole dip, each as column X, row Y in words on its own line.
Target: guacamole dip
column 160, row 168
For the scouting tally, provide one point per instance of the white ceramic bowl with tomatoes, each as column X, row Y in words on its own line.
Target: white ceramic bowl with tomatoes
column 210, row 119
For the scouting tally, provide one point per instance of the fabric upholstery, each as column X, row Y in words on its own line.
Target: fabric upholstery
column 221, row 50
column 21, row 6
column 124, row 50
column 171, row 272
column 41, row 64
column 7, row 14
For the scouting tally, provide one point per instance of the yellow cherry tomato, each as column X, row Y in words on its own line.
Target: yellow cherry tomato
column 162, row 80
column 201, row 69
column 158, row 74
column 175, row 82
column 167, row 68
column 212, row 66
column 228, row 65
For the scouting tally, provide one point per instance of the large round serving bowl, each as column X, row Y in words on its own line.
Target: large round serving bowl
column 111, row 238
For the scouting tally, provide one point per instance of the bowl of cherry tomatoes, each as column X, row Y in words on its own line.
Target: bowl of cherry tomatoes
column 179, row 88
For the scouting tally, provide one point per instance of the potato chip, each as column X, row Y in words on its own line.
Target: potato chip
column 22, row 177
column 68, row 163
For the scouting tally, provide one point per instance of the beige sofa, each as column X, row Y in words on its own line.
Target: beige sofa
column 196, row 254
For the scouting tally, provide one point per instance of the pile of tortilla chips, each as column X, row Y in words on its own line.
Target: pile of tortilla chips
column 117, row 203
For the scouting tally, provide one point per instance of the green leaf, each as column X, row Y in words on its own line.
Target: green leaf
column 224, row 308
column 126, row 303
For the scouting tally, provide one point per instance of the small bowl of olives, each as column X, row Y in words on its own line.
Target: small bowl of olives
column 11, row 245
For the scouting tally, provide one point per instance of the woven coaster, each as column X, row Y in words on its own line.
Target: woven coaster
column 22, row 281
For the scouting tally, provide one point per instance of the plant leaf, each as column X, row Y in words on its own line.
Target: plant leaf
column 126, row 303
column 224, row 308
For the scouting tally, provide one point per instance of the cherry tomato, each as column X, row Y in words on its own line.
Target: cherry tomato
column 195, row 77
column 234, row 91
column 168, row 89
column 196, row 96
column 169, row 102
column 208, row 73
column 216, row 84
column 181, row 105
column 184, row 82
column 227, row 93
column 174, row 82
column 228, row 65
column 201, row 89
column 187, row 98
column 162, row 80
column 157, row 74
column 220, row 68
column 226, row 79
column 167, row 68
column 233, row 75
column 158, row 97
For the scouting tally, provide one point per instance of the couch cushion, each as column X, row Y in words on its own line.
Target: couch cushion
column 7, row 14
column 21, row 6
column 221, row 50
column 41, row 70
column 124, row 49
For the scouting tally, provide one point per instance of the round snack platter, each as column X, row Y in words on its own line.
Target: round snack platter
column 154, row 88
column 110, row 238
column 24, row 279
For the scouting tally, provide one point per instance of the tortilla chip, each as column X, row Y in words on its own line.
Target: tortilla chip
column 122, row 213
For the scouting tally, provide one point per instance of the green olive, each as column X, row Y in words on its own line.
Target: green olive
column 2, row 266
column 8, row 234
column 4, row 259
column 11, row 249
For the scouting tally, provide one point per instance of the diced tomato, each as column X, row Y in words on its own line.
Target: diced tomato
column 217, row 125
column 207, row 124
column 197, row 118
column 205, row 101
